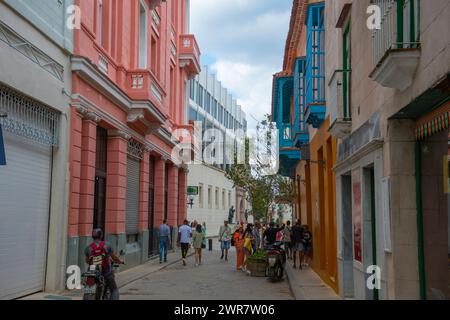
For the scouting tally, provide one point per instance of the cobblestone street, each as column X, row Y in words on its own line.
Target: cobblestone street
column 213, row 280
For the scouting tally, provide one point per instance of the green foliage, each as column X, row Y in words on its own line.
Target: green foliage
column 262, row 190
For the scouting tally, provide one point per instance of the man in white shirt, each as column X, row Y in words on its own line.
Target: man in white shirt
column 184, row 239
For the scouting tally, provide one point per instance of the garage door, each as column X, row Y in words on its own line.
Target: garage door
column 24, row 215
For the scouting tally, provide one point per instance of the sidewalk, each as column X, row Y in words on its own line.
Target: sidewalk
column 306, row 285
column 122, row 278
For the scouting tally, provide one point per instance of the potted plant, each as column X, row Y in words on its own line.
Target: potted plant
column 257, row 263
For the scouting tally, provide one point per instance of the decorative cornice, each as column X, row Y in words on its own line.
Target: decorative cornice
column 17, row 42
column 119, row 133
column 80, row 100
column 362, row 152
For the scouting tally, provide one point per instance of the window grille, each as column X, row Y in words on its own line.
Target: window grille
column 28, row 118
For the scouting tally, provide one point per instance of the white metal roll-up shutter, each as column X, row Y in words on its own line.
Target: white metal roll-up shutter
column 132, row 200
column 24, row 214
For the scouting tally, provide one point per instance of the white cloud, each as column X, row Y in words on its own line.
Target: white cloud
column 246, row 40
column 251, row 84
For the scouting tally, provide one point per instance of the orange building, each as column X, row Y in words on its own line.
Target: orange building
column 307, row 149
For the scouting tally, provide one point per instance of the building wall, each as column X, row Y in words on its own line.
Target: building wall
column 370, row 100
column 206, row 177
column 139, row 106
column 24, row 75
column 323, row 223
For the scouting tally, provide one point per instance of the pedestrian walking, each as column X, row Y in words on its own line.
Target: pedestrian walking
column 164, row 241
column 204, row 235
column 248, row 245
column 239, row 244
column 197, row 240
column 307, row 245
column 184, row 240
column 225, row 236
column 287, row 239
column 297, row 243
column 256, row 236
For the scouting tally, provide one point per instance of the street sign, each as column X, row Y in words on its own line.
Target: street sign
column 2, row 149
column 192, row 191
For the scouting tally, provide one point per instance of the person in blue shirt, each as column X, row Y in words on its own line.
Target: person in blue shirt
column 184, row 239
column 164, row 241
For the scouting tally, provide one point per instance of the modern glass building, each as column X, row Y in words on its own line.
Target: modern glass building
column 213, row 106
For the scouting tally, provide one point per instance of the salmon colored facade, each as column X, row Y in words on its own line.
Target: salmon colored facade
column 131, row 66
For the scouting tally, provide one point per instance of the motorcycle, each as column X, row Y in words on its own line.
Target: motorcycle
column 276, row 261
column 94, row 284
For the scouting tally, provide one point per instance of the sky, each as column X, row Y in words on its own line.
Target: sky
column 242, row 42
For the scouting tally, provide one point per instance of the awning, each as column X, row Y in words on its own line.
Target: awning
column 433, row 122
column 2, row 149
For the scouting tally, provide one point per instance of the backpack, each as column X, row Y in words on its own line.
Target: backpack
column 98, row 257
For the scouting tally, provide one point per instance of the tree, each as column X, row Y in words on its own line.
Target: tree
column 262, row 190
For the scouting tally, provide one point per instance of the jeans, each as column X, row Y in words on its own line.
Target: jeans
column 110, row 282
column 163, row 246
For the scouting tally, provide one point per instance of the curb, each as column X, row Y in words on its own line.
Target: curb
column 295, row 291
column 162, row 267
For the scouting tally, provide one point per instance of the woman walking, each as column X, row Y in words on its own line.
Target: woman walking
column 239, row 244
column 197, row 243
column 204, row 235
column 248, row 244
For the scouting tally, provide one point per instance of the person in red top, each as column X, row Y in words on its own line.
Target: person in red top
column 104, row 248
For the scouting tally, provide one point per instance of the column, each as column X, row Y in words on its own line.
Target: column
column 182, row 196
column 160, row 168
column 116, row 182
column 87, row 180
column 144, row 180
column 74, row 191
column 143, row 191
column 173, row 196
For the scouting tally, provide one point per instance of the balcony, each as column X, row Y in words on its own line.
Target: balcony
column 189, row 55
column 155, row 3
column 142, row 85
column 339, row 104
column 289, row 153
column 396, row 46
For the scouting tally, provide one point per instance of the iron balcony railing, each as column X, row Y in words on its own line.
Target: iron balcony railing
column 399, row 27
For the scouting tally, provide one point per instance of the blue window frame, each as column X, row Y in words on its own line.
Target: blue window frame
column 315, row 61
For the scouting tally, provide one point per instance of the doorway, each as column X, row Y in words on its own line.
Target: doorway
column 347, row 236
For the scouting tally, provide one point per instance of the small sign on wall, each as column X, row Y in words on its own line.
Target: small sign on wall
column 2, row 148
column 192, row 191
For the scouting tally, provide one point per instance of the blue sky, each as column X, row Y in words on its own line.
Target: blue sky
column 243, row 41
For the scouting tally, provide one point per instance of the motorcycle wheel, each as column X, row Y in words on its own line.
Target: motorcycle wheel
column 279, row 272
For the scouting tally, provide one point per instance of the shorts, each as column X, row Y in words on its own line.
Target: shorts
column 298, row 247
column 225, row 245
column 307, row 247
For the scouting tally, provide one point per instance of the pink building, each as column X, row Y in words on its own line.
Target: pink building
column 131, row 66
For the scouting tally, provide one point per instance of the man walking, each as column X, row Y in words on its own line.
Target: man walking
column 184, row 239
column 225, row 239
column 257, row 236
column 297, row 243
column 164, row 241
column 287, row 239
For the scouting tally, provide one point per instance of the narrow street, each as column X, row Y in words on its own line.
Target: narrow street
column 214, row 280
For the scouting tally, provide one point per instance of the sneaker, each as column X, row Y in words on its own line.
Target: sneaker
column 184, row 262
column 226, row 258
column 221, row 258
column 160, row 262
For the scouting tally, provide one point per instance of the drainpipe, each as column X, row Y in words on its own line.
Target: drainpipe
column 420, row 242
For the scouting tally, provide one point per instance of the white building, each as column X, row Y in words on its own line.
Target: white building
column 35, row 86
column 213, row 107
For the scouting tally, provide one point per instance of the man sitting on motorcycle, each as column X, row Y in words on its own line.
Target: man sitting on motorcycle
column 270, row 234
column 104, row 248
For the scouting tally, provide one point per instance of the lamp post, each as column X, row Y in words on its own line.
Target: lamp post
column 191, row 201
